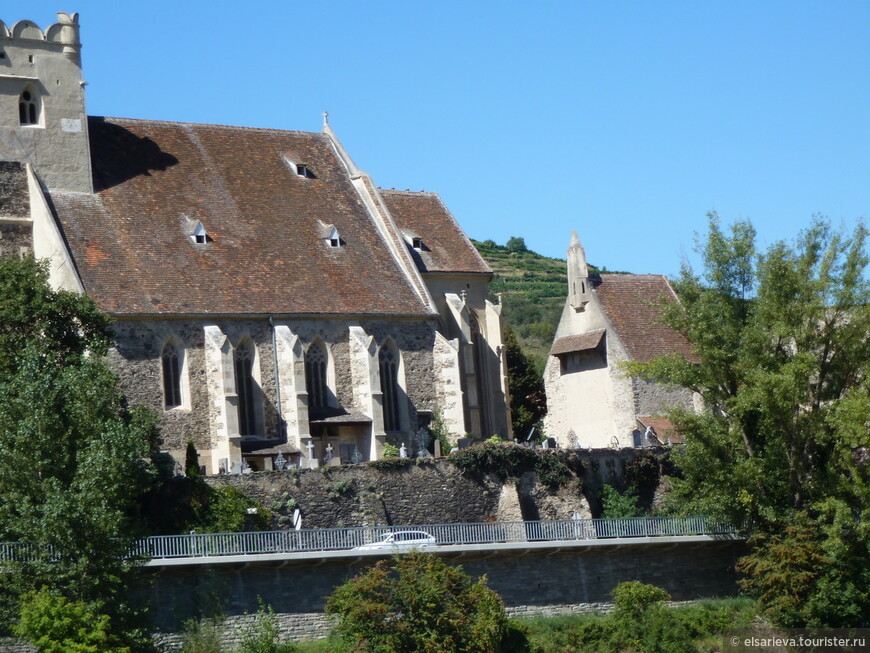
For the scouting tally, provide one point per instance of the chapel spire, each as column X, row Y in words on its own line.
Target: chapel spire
column 579, row 291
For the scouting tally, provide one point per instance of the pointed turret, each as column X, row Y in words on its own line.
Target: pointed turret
column 579, row 291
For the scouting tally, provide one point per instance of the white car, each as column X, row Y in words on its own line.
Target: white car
column 400, row 540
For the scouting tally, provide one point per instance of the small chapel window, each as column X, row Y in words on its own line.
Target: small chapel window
column 28, row 111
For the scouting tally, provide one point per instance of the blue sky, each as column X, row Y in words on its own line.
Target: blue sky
column 627, row 121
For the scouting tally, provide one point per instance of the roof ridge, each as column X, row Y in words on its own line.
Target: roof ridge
column 207, row 125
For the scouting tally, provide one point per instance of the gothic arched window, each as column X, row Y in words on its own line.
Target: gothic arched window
column 315, row 375
column 388, row 364
column 172, row 362
column 243, row 359
column 28, row 108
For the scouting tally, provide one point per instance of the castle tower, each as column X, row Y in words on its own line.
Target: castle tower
column 42, row 103
column 579, row 291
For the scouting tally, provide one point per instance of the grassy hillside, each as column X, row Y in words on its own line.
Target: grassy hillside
column 533, row 289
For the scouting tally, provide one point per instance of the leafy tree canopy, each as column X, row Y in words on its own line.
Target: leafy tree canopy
column 73, row 460
column 782, row 340
column 416, row 602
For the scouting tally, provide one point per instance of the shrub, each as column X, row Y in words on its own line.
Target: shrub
column 263, row 635
column 615, row 504
column 416, row 602
column 391, row 451
column 57, row 625
column 510, row 461
column 202, row 636
column 191, row 460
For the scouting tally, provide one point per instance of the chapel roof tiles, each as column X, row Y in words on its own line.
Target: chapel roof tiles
column 445, row 247
column 630, row 303
column 577, row 342
column 132, row 240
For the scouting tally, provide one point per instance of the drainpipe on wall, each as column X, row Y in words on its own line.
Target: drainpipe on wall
column 282, row 432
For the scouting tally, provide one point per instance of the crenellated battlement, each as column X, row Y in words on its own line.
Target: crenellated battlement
column 65, row 31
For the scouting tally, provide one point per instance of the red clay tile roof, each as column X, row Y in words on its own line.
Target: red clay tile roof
column 629, row 301
column 663, row 428
column 266, row 253
column 445, row 246
column 578, row 342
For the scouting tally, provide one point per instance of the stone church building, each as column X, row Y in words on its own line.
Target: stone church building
column 269, row 298
column 608, row 319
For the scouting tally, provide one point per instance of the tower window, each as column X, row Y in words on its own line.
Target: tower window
column 28, row 111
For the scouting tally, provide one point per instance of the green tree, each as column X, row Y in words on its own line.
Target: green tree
column 57, row 625
column 73, row 460
column 528, row 400
column 416, row 602
column 516, row 244
column 782, row 349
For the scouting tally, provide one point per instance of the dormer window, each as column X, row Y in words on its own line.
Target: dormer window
column 417, row 242
column 304, row 171
column 200, row 235
column 333, row 239
column 28, row 107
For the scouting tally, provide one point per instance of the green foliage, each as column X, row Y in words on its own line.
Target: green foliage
column 191, row 460
column 416, row 602
column 440, row 432
column 507, row 460
column 73, row 459
column 335, row 491
column 528, row 400
column 391, row 451
column 58, row 625
column 782, row 340
column 692, row 628
column 184, row 504
column 390, row 464
column 516, row 245
column 616, row 504
column 813, row 571
column 203, row 636
column 263, row 636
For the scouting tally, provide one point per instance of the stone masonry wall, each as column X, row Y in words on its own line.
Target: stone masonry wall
column 530, row 583
column 437, row 492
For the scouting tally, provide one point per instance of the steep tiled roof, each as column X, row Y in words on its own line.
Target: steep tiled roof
column 445, row 246
column 629, row 301
column 266, row 254
column 578, row 342
column 663, row 428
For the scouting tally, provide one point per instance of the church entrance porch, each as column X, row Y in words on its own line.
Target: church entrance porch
column 339, row 436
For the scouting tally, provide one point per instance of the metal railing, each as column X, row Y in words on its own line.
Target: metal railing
column 336, row 539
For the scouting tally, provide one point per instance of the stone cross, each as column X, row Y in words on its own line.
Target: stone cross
column 357, row 456
column 280, row 462
column 310, row 447
column 329, row 451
